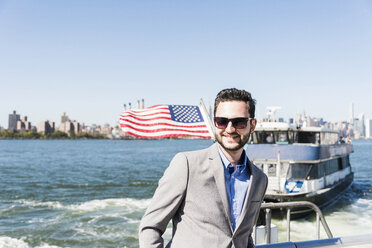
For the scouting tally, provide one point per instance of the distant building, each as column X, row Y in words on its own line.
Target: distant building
column 314, row 122
column 343, row 128
column 12, row 123
column 68, row 126
column 352, row 113
column 369, row 128
column 359, row 127
column 106, row 129
column 77, row 126
column 118, row 133
column 46, row 127
column 64, row 118
column 24, row 125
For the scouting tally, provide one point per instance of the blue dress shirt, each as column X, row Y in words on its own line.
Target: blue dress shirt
column 236, row 185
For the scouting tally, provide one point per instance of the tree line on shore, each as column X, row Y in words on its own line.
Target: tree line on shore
column 7, row 134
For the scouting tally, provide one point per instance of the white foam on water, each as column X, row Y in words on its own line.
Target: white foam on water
column 301, row 230
column 35, row 220
column 8, row 242
column 354, row 220
column 93, row 205
column 363, row 205
column 127, row 203
column 107, row 235
column 47, row 246
column 31, row 203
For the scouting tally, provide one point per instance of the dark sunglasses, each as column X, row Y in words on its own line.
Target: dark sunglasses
column 238, row 123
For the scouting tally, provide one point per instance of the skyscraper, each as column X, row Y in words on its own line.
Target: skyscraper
column 359, row 127
column 352, row 113
column 369, row 128
column 13, row 118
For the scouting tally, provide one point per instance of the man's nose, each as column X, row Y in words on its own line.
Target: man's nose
column 230, row 128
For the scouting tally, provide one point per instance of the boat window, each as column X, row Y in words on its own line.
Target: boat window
column 271, row 137
column 291, row 137
column 263, row 137
column 267, row 137
column 295, row 137
column 331, row 166
column 343, row 162
column 271, row 170
column 340, row 163
column 313, row 172
column 298, row 171
column 317, row 138
column 284, row 169
column 308, row 137
column 347, row 161
column 321, row 169
column 281, row 137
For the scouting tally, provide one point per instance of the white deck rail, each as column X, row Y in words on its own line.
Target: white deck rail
column 330, row 242
column 350, row 241
column 291, row 205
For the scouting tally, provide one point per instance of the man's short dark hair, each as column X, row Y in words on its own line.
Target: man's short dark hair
column 234, row 94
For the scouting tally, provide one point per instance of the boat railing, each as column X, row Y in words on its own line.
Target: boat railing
column 268, row 206
column 349, row 241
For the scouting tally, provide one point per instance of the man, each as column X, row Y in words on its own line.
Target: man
column 213, row 196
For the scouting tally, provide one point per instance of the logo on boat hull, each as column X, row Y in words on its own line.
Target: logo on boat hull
column 293, row 186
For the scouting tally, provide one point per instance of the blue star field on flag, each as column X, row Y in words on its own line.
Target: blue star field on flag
column 185, row 113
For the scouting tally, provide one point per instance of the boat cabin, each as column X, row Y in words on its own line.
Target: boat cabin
column 282, row 133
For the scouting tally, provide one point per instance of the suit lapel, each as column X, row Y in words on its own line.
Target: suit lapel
column 219, row 177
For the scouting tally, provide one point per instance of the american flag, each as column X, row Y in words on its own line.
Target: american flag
column 162, row 121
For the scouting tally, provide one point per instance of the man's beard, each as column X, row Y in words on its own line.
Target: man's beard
column 243, row 139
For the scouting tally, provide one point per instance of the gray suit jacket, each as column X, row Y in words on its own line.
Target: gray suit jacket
column 192, row 192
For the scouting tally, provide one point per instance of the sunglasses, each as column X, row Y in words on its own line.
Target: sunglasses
column 238, row 123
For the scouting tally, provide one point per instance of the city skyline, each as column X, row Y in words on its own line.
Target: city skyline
column 270, row 116
column 89, row 58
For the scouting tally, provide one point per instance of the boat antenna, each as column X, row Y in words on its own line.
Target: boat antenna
column 271, row 110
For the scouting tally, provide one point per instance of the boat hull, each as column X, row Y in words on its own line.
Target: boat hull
column 322, row 198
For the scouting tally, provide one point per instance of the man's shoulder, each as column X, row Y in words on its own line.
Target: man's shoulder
column 206, row 150
column 201, row 153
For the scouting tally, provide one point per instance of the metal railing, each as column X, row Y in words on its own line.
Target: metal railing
column 288, row 206
column 350, row 241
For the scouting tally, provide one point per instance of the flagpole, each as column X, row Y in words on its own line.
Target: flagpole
column 207, row 119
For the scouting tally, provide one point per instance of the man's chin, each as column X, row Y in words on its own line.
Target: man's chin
column 232, row 147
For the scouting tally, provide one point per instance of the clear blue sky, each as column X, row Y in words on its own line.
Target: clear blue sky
column 88, row 58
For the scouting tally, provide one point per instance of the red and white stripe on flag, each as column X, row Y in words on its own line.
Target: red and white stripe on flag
column 163, row 121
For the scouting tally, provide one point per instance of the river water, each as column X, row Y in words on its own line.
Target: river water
column 92, row 193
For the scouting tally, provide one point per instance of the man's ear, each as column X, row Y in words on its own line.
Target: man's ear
column 253, row 125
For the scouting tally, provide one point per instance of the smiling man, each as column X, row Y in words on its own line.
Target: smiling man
column 213, row 196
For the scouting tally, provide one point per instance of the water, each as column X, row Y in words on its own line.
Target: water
column 92, row 193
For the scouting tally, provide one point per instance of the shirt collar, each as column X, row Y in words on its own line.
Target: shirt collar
column 226, row 162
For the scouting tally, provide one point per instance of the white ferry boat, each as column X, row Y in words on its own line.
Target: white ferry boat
column 302, row 164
